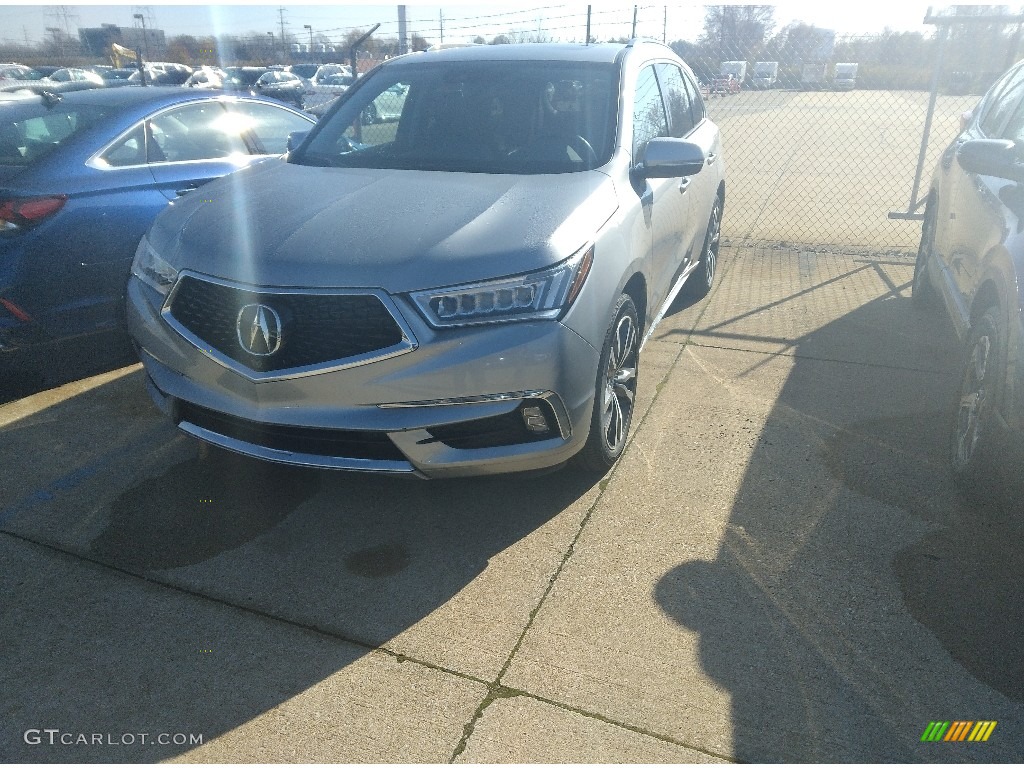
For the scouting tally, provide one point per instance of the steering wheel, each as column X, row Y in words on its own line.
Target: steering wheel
column 582, row 147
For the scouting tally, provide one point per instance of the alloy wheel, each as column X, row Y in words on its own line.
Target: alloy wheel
column 619, row 390
column 711, row 248
column 973, row 402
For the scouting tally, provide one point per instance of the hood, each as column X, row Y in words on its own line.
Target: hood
column 300, row 226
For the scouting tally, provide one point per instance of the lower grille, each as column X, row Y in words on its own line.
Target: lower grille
column 349, row 444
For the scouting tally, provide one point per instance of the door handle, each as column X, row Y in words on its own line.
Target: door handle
column 712, row 157
column 186, row 190
column 683, row 184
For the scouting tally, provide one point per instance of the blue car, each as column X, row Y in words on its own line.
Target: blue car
column 82, row 176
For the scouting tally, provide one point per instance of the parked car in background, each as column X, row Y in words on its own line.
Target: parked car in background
column 118, row 77
column 325, row 71
column 467, row 289
column 971, row 264
column 63, row 80
column 280, row 85
column 209, row 78
column 18, row 73
column 82, row 177
column 243, row 79
column 304, row 72
column 47, row 69
column 161, row 76
column 74, row 75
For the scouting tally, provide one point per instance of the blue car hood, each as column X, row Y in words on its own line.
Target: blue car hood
column 290, row 225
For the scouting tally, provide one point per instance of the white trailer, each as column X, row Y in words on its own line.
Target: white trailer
column 845, row 78
column 766, row 74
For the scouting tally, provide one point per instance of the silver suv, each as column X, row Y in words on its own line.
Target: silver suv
column 452, row 274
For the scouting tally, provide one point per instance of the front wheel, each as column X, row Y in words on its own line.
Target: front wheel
column 973, row 447
column 615, row 391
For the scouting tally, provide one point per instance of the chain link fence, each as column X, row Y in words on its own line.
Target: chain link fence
column 823, row 136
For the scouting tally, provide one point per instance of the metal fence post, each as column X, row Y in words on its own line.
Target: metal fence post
column 914, row 202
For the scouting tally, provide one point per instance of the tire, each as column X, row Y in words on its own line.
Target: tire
column 704, row 276
column 975, row 439
column 922, row 292
column 615, row 391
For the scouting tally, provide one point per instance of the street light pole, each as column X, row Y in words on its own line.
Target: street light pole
column 271, row 35
column 145, row 37
column 310, row 28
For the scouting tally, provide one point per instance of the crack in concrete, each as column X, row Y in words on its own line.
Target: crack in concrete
column 468, row 729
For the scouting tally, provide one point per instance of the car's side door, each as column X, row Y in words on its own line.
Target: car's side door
column 665, row 201
column 686, row 120
column 976, row 215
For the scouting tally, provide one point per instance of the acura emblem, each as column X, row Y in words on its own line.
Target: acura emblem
column 259, row 330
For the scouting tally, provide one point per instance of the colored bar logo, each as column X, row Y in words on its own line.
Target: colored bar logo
column 959, row 730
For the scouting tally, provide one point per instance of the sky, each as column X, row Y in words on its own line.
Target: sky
column 461, row 21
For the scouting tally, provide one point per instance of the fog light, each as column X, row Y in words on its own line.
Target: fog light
column 534, row 419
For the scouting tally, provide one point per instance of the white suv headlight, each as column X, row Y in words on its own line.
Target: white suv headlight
column 542, row 295
column 153, row 270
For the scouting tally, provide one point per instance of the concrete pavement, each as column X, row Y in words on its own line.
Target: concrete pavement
column 777, row 570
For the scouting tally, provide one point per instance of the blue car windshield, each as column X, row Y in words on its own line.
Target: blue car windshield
column 31, row 131
column 516, row 117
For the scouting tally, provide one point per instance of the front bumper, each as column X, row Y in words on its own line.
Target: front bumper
column 450, row 407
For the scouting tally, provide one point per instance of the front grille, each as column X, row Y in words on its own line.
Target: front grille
column 494, row 431
column 338, row 443
column 315, row 328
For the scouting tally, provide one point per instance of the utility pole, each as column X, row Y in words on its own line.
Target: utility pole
column 284, row 50
column 145, row 37
column 664, row 28
column 587, row 42
column 441, row 19
column 403, row 39
column 633, row 33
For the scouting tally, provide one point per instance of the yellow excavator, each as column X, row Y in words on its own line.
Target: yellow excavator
column 121, row 56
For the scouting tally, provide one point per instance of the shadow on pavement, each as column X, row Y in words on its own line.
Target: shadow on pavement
column 362, row 558
column 805, row 615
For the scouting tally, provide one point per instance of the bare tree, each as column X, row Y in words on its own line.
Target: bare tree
column 737, row 30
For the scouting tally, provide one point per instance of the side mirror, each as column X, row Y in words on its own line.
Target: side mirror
column 991, row 157
column 295, row 138
column 667, row 158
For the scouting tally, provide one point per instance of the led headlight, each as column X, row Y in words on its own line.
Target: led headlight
column 542, row 295
column 153, row 270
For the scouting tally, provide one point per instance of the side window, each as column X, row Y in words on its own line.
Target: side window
column 203, row 131
column 677, row 99
column 131, row 150
column 649, row 118
column 270, row 125
column 1003, row 104
column 696, row 100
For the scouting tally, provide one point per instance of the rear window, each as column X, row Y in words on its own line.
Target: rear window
column 29, row 133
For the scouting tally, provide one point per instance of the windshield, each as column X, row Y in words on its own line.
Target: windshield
column 29, row 133
column 475, row 116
